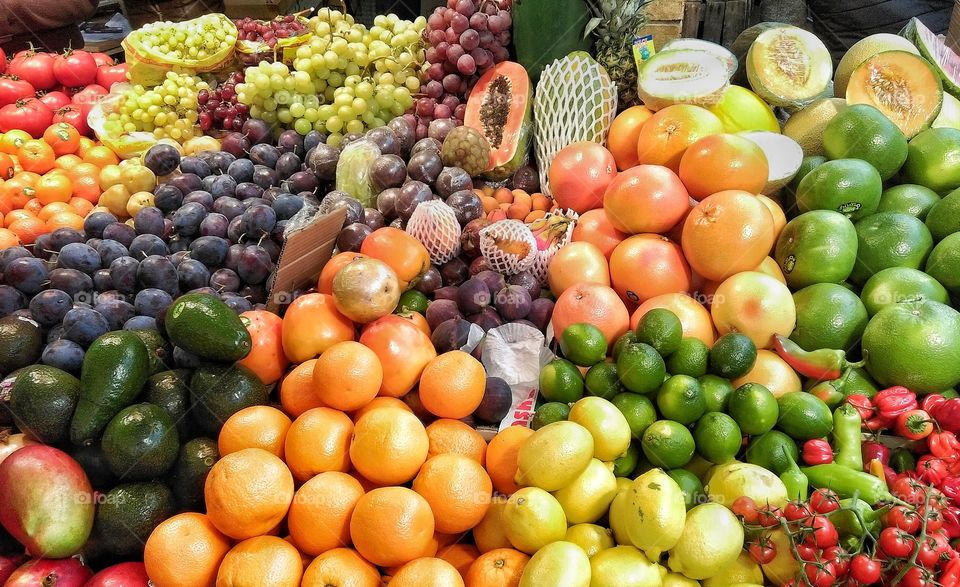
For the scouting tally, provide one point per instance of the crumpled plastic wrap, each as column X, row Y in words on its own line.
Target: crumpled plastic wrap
column 353, row 171
column 148, row 66
column 516, row 353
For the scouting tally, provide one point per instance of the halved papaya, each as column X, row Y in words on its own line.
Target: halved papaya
column 788, row 66
column 903, row 86
column 500, row 106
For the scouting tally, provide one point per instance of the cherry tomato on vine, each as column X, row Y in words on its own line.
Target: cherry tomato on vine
column 807, row 552
column 896, row 543
column 917, row 577
column 909, row 490
column 839, row 557
column 796, row 510
column 820, row 574
column 745, row 508
column 927, row 555
column 864, row 569
column 824, row 501
column 769, row 516
column 762, row 551
column 820, row 532
column 903, row 518
column 934, row 518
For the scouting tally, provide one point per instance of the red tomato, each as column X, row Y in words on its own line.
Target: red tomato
column 822, row 534
column 88, row 97
column 902, row 517
column 55, row 100
column 36, row 68
column 928, row 556
column 820, row 574
column 3, row 61
column 13, row 88
column 580, row 174
column 864, row 569
column 75, row 68
column 746, row 508
column 107, row 75
column 917, row 577
column 824, row 501
column 769, row 516
column 839, row 557
column 102, row 59
column 796, row 510
column 30, row 115
column 762, row 551
column 896, row 543
column 74, row 115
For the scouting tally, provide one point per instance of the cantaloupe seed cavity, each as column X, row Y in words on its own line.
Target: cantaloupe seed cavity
column 891, row 89
column 495, row 110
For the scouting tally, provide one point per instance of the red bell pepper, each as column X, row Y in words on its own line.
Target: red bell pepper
column 863, row 405
column 893, row 401
column 932, row 470
column 822, row 364
column 874, row 451
column 943, row 444
column 914, row 425
column 947, row 415
column 951, row 521
column 817, row 452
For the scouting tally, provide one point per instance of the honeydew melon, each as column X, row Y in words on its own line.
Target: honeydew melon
column 806, row 126
column 700, row 45
column 784, row 157
column 682, row 76
column 788, row 66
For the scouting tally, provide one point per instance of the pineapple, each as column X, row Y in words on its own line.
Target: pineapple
column 614, row 24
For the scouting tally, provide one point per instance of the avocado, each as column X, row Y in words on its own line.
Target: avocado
column 203, row 325
column 170, row 391
column 114, row 370
column 6, row 386
column 21, row 342
column 158, row 350
column 42, row 402
column 218, row 392
column 140, row 442
column 94, row 464
column 196, row 458
column 127, row 515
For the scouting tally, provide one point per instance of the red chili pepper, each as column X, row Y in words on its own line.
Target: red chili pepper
column 863, row 404
column 889, row 475
column 943, row 444
column 873, row 450
column 893, row 401
column 878, row 422
column 817, row 452
column 930, row 402
column 932, row 470
column 822, row 364
column 914, row 425
column 947, row 414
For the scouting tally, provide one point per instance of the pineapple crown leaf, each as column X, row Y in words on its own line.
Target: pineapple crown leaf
column 614, row 15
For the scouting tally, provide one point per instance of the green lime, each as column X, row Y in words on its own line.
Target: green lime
column 690, row 485
column 932, row 158
column 661, row 329
column 944, row 217
column 851, row 187
column 829, row 316
column 861, row 131
column 643, row 465
column 602, row 380
column 909, row 198
column 944, row 263
column 803, row 416
column 625, row 339
column 549, row 413
column 716, row 392
column 889, row 239
column 914, row 344
column 770, row 450
column 624, row 466
column 681, row 399
column 689, row 359
column 857, row 381
column 819, row 246
column 413, row 300
column 900, row 284
column 668, row 444
column 641, row 368
column 753, row 408
column 732, row 355
column 789, row 193
column 584, row 344
column 560, row 381
column 718, row 437
column 638, row 410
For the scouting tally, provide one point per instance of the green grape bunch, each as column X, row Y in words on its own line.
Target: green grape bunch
column 168, row 110
column 192, row 40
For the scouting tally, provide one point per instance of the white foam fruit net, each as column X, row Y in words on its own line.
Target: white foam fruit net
column 559, row 227
column 575, row 101
column 508, row 246
column 434, row 224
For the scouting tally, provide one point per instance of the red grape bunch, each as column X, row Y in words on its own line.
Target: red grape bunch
column 220, row 109
column 270, row 32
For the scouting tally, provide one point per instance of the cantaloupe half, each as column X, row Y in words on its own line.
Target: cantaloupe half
column 806, row 126
column 788, row 66
column 901, row 85
column 864, row 49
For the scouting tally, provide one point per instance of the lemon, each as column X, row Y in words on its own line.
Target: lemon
column 489, row 534
column 623, row 566
column 590, row 537
column 618, row 517
column 559, row 564
column 654, row 513
column 607, row 425
column 588, row 497
column 783, row 567
column 555, row 455
column 725, row 483
column 678, row 580
column 742, row 570
column 533, row 519
column 712, row 538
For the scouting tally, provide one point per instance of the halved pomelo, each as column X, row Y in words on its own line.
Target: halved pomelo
column 864, row 49
column 945, row 61
column 788, row 66
column 682, row 76
column 784, row 157
column 700, row 45
column 901, row 85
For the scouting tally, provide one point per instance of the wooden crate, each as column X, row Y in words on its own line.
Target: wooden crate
column 665, row 20
column 719, row 21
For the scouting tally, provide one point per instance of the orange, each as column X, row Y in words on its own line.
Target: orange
column 318, row 441
column 28, row 229
column 695, row 321
column 83, row 169
column 248, row 493
column 594, row 303
column 755, row 304
column 336, row 263
column 65, row 220
column 577, row 262
column 490, row 533
column 779, row 218
column 67, row 162
column 14, row 139
column 347, row 376
column 184, row 551
column 311, row 325
column 7, row 166
column 100, row 156
column 389, row 446
column 452, row 385
column 319, row 517
column 624, row 135
column 594, row 227
column 36, row 156
column 296, row 390
column 668, row 133
column 723, row 162
column 266, row 357
column 647, row 265
column 8, row 239
column 33, row 207
column 646, row 198
column 52, row 209
column 427, row 572
column 87, row 187
column 80, row 206
column 502, row 455
column 15, row 215
column 382, row 402
column 449, row 436
column 457, row 489
column 460, row 555
column 254, row 427
column 85, row 145
column 264, row 561
column 404, row 254
column 63, row 138
column 391, row 525
column 502, row 567
column 726, row 233
column 340, row 567
column 579, row 175
column 18, row 190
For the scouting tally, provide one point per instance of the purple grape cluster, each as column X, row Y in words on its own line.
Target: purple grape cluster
column 219, row 107
column 269, row 32
column 464, row 39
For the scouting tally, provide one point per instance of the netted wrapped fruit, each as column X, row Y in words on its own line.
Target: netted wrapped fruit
column 435, row 224
column 466, row 148
column 508, row 246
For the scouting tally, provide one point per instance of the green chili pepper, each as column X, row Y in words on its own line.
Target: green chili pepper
column 847, row 523
column 823, row 364
column 794, row 479
column 847, row 482
column 846, row 437
column 902, row 460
